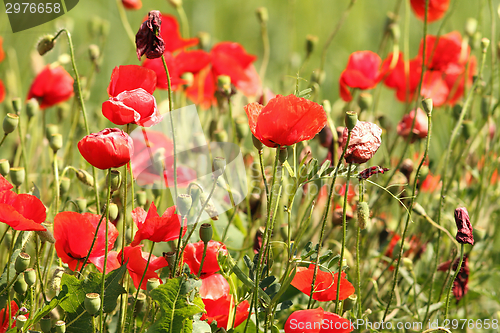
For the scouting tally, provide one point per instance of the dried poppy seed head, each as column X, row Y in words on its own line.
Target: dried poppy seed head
column 464, row 232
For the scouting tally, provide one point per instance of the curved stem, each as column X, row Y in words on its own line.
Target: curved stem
column 184, row 21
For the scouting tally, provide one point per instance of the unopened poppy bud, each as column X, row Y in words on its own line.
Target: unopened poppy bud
column 464, row 227
column 189, row 78
column 311, row 42
column 30, row 276
column 206, row 232
column 152, row 284
column 365, row 101
column 46, row 324
column 56, row 142
column 17, row 175
column 10, row 123
column 60, row 326
column 256, row 143
column 82, row 204
column 262, row 14
column 220, row 135
column 470, row 26
column 170, row 258
column 4, row 167
column 351, row 119
column 116, row 180
column 32, row 107
column 20, row 285
column 219, row 166
column 20, row 321
column 467, row 129
column 16, row 104
column 283, row 156
column 22, row 262
column 184, row 202
column 46, row 235
column 363, row 214
column 141, row 198
column 418, row 209
column 485, row 43
column 55, row 283
column 85, row 177
column 457, row 109
column 51, row 129
column 224, row 84
column 45, row 44
column 204, row 40
column 113, row 211
column 427, row 106
column 406, row 168
column 175, row 3
column 94, row 53
column 408, row 263
column 92, row 303
column 64, row 185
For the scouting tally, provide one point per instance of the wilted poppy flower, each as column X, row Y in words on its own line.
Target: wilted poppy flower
column 194, row 253
column 364, row 142
column 51, row 86
column 109, row 148
column 132, row 4
column 374, row 170
column 154, row 227
column 464, row 228
column 285, row 120
column 131, row 77
column 136, row 265
column 8, row 312
column 317, row 321
column 325, row 285
column 362, row 72
column 436, row 9
column 460, row 284
column 132, row 107
column 74, row 234
column 420, row 128
column 148, row 40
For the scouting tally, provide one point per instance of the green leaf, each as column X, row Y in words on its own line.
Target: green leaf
column 44, row 311
column 201, row 327
column 177, row 310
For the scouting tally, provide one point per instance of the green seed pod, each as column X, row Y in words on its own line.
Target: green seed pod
column 46, row 324
column 220, row 135
column 10, row 123
column 65, row 184
column 113, row 211
column 418, row 209
column 365, row 101
column 60, row 326
column 351, row 119
column 92, row 303
column 152, row 284
column 427, row 105
column 30, row 276
column 85, row 177
column 219, row 166
column 141, row 300
column 470, row 26
column 20, row 285
column 82, row 204
column 20, row 321
column 141, row 198
column 283, row 156
column 363, row 214
column 224, row 84
column 4, row 167
column 189, row 78
column 56, row 142
column 32, row 108
column 311, row 42
column 206, row 232
column 256, row 143
column 16, row 105
column 184, row 202
column 51, row 129
column 45, row 44
column 262, row 14
column 116, row 180
column 22, row 262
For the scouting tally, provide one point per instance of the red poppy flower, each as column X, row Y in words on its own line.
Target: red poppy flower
column 436, row 9
column 74, row 234
column 5, row 314
column 136, row 265
column 362, row 72
column 2, row 91
column 325, row 285
column 460, row 284
column 132, row 107
column 213, row 287
column 109, row 148
column 364, row 142
column 51, row 86
column 131, row 77
column 420, row 128
column 156, row 228
column 317, row 321
column 431, row 183
column 392, row 243
column 132, row 4
column 285, row 120
column 170, row 33
column 194, row 253
column 2, row 53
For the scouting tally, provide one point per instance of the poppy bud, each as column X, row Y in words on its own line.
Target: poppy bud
column 241, row 128
column 92, row 303
column 30, row 276
column 175, row 3
column 148, row 39
column 46, row 324
column 464, row 232
column 256, row 143
column 189, row 78
column 113, row 211
column 64, row 185
column 45, row 44
column 50, row 130
column 427, row 106
column 10, row 123
column 60, row 326
column 152, row 284
column 20, row 321
column 220, row 135
column 262, row 14
column 17, row 175
column 55, row 283
column 365, row 101
column 485, row 43
column 416, row 118
column 46, row 235
column 141, row 198
column 470, row 26
column 82, row 204
column 351, row 119
column 4, row 167
column 363, row 214
column 32, row 107
column 184, row 202
column 224, row 85
column 204, row 40
column 20, row 285
column 417, row 208
column 206, row 232
column 219, row 166
column 22, row 262
column 16, row 104
column 116, row 180
column 408, row 263
column 311, row 42
column 56, row 142
column 85, row 177
column 94, row 53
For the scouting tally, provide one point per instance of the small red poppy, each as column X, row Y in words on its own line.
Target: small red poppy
column 285, row 120
column 170, row 33
column 136, row 265
column 74, row 234
column 431, row 183
column 132, row 4
column 362, row 72
column 194, row 253
column 8, row 312
column 2, row 53
column 436, row 9
column 317, row 321
column 2, row 91
column 51, row 86
column 154, row 227
column 109, row 148
column 420, row 128
column 364, row 142
column 131, row 77
column 132, row 107
column 325, row 286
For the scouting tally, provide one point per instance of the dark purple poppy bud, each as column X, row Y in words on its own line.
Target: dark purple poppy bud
column 464, row 233
column 148, row 39
column 367, row 173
